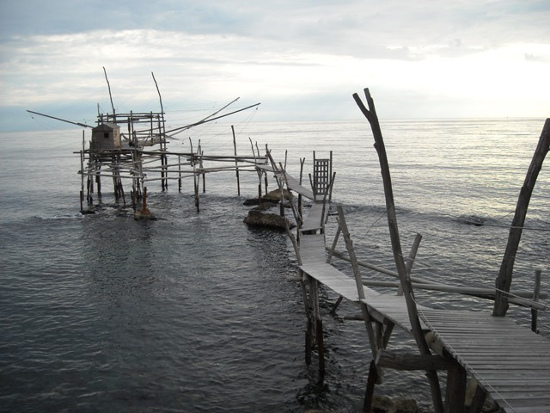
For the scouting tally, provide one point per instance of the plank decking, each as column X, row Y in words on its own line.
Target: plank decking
column 316, row 217
column 510, row 362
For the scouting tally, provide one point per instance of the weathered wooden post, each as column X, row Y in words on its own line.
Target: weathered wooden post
column 82, row 173
column 236, row 162
column 504, row 279
column 259, row 171
column 179, row 173
column 371, row 116
column 536, row 296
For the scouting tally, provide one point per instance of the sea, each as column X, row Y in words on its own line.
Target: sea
column 197, row 312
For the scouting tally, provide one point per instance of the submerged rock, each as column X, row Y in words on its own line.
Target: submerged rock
column 144, row 214
column 385, row 404
column 405, row 405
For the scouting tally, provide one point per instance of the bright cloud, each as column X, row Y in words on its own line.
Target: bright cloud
column 302, row 60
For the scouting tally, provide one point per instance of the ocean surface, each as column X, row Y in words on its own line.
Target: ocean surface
column 196, row 312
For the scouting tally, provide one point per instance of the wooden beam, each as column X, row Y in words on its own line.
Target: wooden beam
column 409, row 361
column 504, row 279
column 372, row 117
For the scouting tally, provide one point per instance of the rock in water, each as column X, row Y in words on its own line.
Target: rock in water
column 275, row 195
column 144, row 214
column 266, row 220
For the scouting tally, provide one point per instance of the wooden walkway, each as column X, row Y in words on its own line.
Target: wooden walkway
column 381, row 306
column 510, row 362
column 291, row 182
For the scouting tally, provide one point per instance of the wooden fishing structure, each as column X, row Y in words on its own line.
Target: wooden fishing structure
column 132, row 147
column 510, row 363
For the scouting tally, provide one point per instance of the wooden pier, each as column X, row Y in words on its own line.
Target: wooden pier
column 510, row 363
column 133, row 147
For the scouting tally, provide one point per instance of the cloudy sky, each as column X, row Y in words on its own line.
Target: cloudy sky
column 301, row 59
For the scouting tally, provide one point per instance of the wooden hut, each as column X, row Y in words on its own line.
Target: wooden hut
column 106, row 136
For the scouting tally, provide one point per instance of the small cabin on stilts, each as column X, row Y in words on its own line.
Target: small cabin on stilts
column 106, row 136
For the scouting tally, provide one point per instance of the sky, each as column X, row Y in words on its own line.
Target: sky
column 303, row 60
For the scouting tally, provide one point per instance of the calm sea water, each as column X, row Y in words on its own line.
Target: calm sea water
column 195, row 312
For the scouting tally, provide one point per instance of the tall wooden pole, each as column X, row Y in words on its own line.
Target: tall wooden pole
column 82, row 172
column 536, row 295
column 109, row 87
column 371, row 116
column 504, row 279
column 236, row 162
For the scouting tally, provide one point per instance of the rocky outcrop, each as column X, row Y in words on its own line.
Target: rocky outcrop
column 258, row 218
column 276, row 196
column 271, row 197
column 144, row 213
column 385, row 404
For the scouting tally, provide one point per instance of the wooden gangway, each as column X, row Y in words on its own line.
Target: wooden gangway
column 291, row 182
column 511, row 363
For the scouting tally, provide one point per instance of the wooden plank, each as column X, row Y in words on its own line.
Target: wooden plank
column 530, row 367
column 512, row 363
column 509, row 361
column 521, row 401
column 294, row 185
column 332, row 278
column 312, row 248
column 533, row 409
column 314, row 219
column 531, row 386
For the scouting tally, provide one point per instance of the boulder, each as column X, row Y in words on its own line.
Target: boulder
column 405, row 405
column 276, row 196
column 144, row 213
column 264, row 206
column 385, row 404
column 267, row 220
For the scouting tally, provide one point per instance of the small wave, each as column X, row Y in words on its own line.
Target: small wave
column 76, row 215
column 472, row 220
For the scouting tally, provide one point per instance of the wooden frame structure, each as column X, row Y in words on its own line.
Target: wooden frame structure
column 133, row 146
column 515, row 373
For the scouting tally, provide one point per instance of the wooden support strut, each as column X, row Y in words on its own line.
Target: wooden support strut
column 360, row 291
column 504, row 279
column 236, row 162
column 371, row 116
column 536, row 295
column 310, row 300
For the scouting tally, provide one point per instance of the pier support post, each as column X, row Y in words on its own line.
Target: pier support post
column 372, row 117
column 319, row 342
column 456, row 389
column 320, row 347
column 536, row 297
column 504, row 279
column 478, row 400
column 369, row 392
column 309, row 340
column 236, row 162
column 196, row 184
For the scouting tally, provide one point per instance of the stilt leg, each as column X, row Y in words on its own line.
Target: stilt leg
column 320, row 347
column 369, row 392
column 309, row 340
